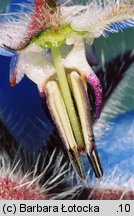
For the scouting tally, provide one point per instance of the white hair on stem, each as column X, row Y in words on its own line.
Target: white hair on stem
column 14, row 28
column 113, row 186
column 97, row 16
column 25, row 184
column 18, row 181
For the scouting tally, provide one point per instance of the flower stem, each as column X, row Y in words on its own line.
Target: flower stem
column 75, row 123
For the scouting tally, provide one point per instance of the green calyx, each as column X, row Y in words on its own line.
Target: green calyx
column 56, row 37
column 50, row 38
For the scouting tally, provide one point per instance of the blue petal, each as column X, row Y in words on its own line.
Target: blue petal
column 6, row 52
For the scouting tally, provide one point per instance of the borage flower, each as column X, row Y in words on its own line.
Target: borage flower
column 52, row 45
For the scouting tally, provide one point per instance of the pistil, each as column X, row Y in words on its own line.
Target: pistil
column 75, row 123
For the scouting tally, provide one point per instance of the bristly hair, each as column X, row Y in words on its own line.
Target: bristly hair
column 42, row 175
column 112, row 187
column 44, row 16
column 97, row 18
column 18, row 27
column 45, row 180
column 100, row 17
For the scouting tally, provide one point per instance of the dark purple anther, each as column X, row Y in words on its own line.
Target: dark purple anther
column 96, row 84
